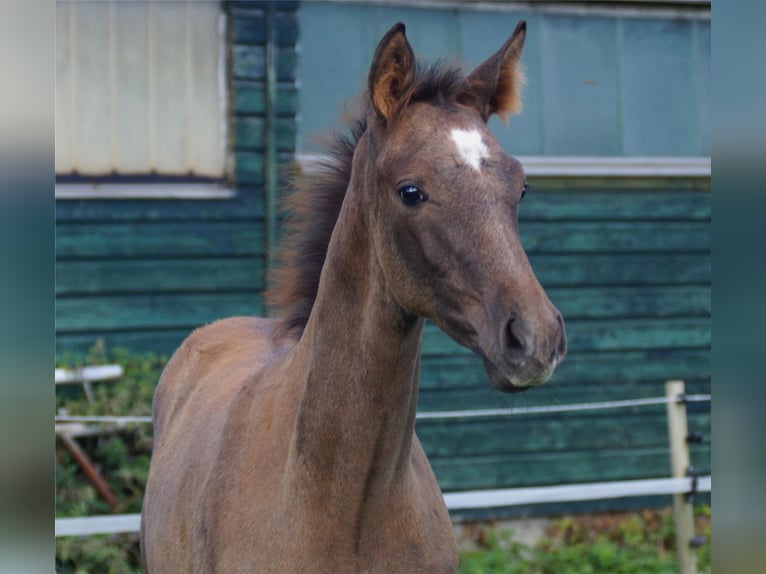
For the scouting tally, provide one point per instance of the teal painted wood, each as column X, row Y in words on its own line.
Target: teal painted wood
column 616, row 236
column 249, row 165
column 158, row 341
column 639, row 429
column 539, row 469
column 580, row 83
column 249, row 98
column 616, row 204
column 249, row 133
column 659, row 88
column 624, row 302
column 599, row 371
column 702, row 53
column 159, row 239
column 243, row 237
column 605, row 335
column 249, row 63
column 150, row 311
column 433, row 34
column 622, row 269
column 211, row 274
column 584, row 94
column 483, row 396
column 249, row 27
column 333, row 66
column 246, row 206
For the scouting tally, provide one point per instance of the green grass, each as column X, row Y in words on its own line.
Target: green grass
column 638, row 543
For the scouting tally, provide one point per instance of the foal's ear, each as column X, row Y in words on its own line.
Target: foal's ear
column 494, row 87
column 391, row 72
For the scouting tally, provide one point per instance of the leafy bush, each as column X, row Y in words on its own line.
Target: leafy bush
column 122, row 458
column 642, row 543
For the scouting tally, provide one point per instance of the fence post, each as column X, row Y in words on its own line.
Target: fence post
column 683, row 511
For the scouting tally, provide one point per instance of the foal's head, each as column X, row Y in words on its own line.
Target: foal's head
column 445, row 199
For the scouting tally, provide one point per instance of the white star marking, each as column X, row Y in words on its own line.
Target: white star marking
column 470, row 147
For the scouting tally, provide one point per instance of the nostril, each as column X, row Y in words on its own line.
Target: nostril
column 514, row 342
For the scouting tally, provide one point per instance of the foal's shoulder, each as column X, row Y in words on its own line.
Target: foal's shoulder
column 219, row 355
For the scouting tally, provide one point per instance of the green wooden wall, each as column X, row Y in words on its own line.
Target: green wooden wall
column 143, row 274
column 627, row 261
column 628, row 264
column 602, row 85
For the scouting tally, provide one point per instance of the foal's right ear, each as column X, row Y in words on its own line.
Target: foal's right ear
column 391, row 72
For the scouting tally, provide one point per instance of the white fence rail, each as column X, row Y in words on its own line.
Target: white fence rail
column 677, row 485
column 455, row 501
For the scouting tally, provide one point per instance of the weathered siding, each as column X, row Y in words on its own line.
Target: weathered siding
column 634, row 85
column 143, row 274
column 629, row 268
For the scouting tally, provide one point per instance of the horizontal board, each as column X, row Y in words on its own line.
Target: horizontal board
column 237, row 238
column 159, row 239
column 627, row 335
column 639, row 334
column 249, row 62
column 531, row 469
column 611, row 236
column 161, row 342
column 249, row 27
column 250, row 98
column 619, row 184
column 616, row 367
column 621, row 269
column 247, row 205
column 604, row 302
column 249, row 133
column 613, row 206
column 605, row 335
column 617, row 429
column 159, row 275
column 75, row 314
column 482, row 395
column 248, row 168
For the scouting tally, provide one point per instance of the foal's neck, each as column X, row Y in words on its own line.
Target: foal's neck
column 360, row 356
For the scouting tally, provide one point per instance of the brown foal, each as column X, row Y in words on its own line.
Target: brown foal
column 288, row 444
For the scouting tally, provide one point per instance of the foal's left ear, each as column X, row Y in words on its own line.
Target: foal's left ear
column 494, row 87
column 391, row 72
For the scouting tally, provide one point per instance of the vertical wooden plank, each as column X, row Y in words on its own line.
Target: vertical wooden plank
column 703, row 86
column 206, row 145
column 332, row 66
column 64, row 86
column 169, row 106
column 91, row 49
column 683, row 513
column 658, row 88
column 131, row 87
column 580, row 85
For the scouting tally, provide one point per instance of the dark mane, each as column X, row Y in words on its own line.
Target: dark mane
column 315, row 200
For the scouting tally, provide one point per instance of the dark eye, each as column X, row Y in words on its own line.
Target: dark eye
column 524, row 190
column 411, row 195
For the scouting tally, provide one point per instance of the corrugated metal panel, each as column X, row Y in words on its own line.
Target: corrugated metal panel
column 138, row 90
